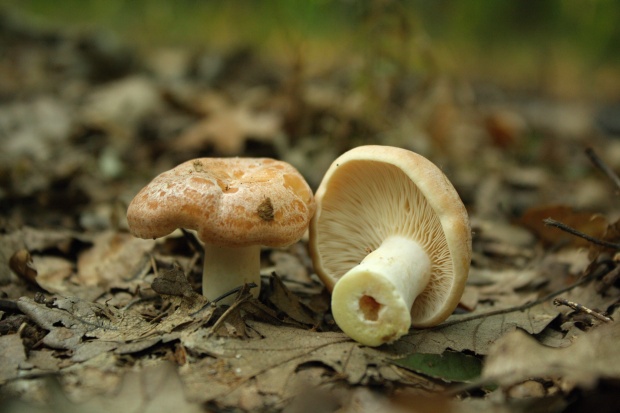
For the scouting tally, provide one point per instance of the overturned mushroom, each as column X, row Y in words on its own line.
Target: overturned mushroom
column 391, row 239
column 235, row 205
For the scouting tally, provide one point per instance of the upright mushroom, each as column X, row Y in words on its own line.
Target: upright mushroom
column 391, row 239
column 235, row 205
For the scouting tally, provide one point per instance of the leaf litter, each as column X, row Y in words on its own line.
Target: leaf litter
column 93, row 319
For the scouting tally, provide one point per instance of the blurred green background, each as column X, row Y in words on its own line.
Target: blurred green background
column 566, row 48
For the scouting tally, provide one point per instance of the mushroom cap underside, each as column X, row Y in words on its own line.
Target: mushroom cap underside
column 373, row 192
column 233, row 202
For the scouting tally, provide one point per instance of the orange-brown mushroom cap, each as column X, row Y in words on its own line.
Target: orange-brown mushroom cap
column 233, row 202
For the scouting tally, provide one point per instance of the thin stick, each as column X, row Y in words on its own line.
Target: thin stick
column 235, row 290
column 553, row 223
column 154, row 265
column 523, row 307
column 598, row 162
column 248, row 286
column 581, row 308
column 191, row 263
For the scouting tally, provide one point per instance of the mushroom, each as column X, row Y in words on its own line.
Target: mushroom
column 391, row 239
column 235, row 205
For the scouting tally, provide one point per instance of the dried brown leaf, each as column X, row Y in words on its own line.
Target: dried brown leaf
column 288, row 303
column 154, row 389
column 114, row 259
column 172, row 282
column 517, row 356
column 289, row 266
column 478, row 334
column 35, row 241
column 274, row 362
column 53, row 273
column 21, row 264
column 227, row 128
column 74, row 323
column 233, row 322
column 12, row 356
column 589, row 223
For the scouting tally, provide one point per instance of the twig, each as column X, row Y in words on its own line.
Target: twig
column 192, row 263
column 582, row 308
column 154, row 265
column 523, row 307
column 608, row 280
column 245, row 293
column 553, row 223
column 598, row 162
column 235, row 290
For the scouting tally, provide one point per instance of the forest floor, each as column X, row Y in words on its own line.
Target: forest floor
column 86, row 122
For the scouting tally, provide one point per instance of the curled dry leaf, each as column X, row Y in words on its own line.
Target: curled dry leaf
column 288, row 303
column 22, row 265
column 89, row 329
column 517, row 357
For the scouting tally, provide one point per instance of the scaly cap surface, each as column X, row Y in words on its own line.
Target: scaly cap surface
column 233, row 202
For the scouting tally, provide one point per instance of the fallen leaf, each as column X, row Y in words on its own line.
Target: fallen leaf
column 12, row 356
column 154, row 389
column 172, row 282
column 517, row 356
column 289, row 266
column 113, row 260
column 227, row 127
column 232, row 322
column 120, row 105
column 21, row 264
column 273, row 362
column 53, row 273
column 73, row 324
column 478, row 334
column 41, row 362
column 589, row 223
column 35, row 241
column 449, row 366
column 506, row 281
column 40, row 240
column 287, row 302
column 470, row 298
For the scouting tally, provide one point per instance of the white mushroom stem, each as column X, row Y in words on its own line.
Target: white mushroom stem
column 226, row 268
column 372, row 302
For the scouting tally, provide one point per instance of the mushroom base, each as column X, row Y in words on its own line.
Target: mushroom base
column 371, row 303
column 226, row 268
